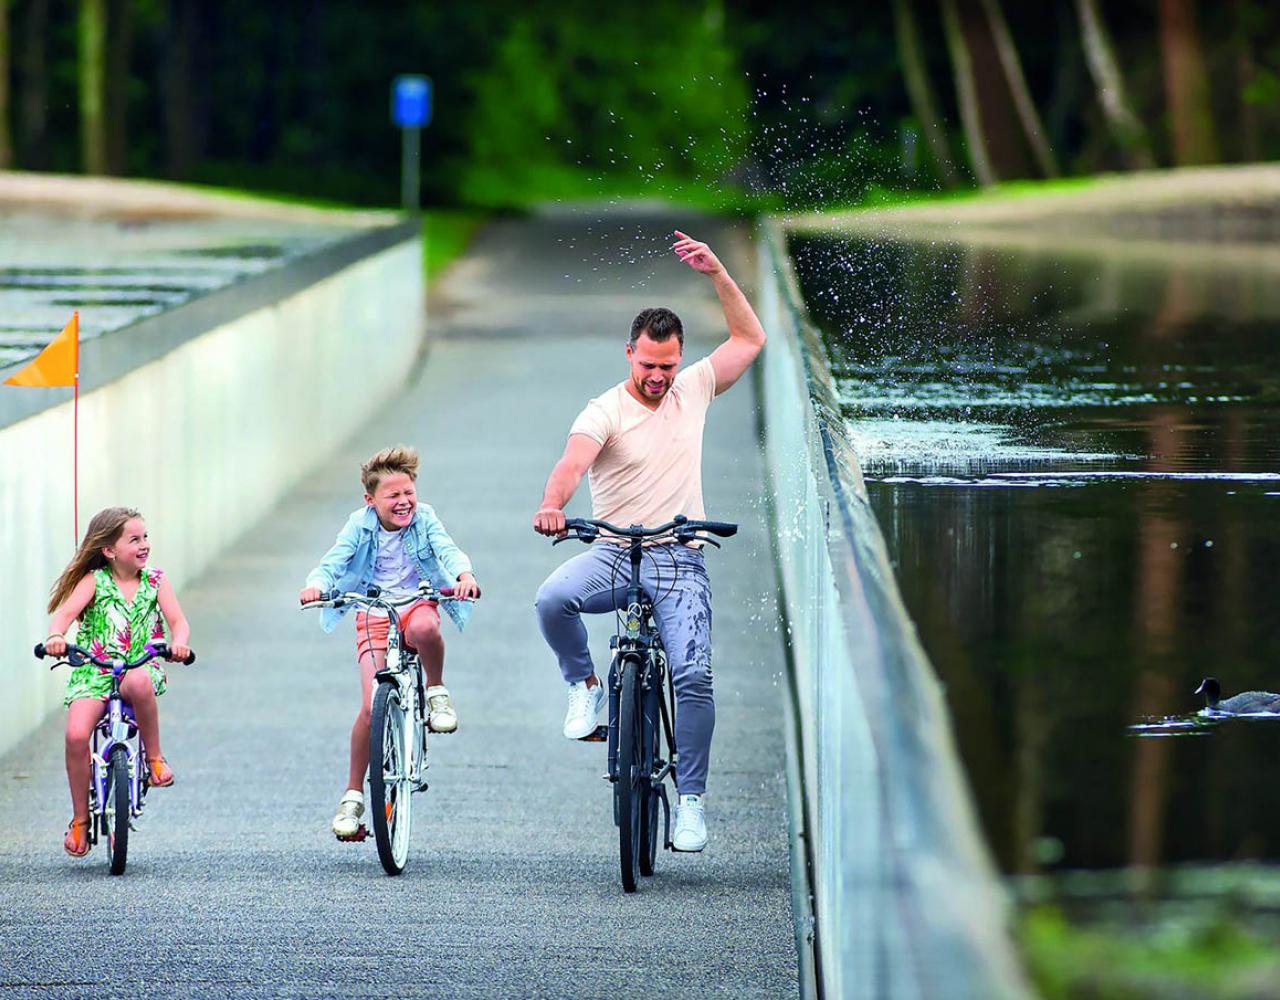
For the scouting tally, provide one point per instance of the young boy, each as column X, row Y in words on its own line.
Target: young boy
column 394, row 543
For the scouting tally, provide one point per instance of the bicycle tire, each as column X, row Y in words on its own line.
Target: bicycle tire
column 116, row 812
column 629, row 789
column 649, row 813
column 390, row 808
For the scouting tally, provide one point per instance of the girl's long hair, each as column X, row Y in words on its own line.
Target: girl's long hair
column 104, row 529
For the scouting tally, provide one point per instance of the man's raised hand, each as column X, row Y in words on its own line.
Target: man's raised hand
column 696, row 254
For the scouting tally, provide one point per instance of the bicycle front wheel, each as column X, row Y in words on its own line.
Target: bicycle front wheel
column 115, row 815
column 631, row 788
column 389, row 786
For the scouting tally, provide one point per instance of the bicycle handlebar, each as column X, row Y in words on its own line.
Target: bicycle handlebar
column 681, row 527
column 376, row 595
column 77, row 655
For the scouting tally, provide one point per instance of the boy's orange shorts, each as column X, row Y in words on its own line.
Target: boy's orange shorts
column 371, row 630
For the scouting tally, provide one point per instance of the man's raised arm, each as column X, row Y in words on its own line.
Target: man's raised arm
column 578, row 455
column 746, row 336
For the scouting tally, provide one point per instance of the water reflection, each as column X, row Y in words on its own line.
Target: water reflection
column 1075, row 459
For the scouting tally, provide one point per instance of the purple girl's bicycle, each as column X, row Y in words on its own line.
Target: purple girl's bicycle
column 120, row 773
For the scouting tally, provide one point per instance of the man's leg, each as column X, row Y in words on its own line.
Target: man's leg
column 683, row 615
column 586, row 583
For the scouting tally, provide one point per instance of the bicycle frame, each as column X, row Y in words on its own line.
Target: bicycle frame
column 117, row 727
column 638, row 640
column 404, row 669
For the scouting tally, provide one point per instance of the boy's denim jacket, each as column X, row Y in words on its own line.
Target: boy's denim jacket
column 349, row 564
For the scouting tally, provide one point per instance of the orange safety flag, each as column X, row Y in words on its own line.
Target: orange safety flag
column 57, row 364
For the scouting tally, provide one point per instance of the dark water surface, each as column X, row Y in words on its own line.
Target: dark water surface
column 1075, row 460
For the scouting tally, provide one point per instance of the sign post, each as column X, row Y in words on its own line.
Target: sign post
column 411, row 113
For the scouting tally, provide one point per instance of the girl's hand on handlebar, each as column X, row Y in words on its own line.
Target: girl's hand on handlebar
column 55, row 645
column 467, row 588
column 310, row 594
column 178, row 653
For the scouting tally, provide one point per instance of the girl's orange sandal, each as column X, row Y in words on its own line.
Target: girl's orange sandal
column 76, row 842
column 161, row 773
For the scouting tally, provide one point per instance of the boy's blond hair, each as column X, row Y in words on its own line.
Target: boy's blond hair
column 388, row 462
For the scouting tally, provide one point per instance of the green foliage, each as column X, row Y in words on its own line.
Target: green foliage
column 446, row 236
column 634, row 95
column 1210, row 957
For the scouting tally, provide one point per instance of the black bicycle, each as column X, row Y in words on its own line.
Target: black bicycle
column 642, row 702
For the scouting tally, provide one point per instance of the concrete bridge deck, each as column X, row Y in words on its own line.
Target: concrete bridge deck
column 235, row 886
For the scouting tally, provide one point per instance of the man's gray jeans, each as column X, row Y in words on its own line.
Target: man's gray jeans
column 595, row 582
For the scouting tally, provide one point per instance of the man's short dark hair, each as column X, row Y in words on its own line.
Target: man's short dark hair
column 658, row 324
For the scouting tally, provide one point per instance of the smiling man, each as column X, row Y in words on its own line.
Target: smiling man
column 641, row 443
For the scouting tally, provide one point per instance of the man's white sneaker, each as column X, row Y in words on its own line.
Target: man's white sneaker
column 584, row 705
column 441, row 717
column 347, row 823
column 691, row 824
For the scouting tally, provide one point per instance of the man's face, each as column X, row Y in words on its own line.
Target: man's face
column 654, row 364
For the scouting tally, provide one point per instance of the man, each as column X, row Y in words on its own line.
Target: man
column 642, row 443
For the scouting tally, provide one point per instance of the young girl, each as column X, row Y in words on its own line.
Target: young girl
column 118, row 600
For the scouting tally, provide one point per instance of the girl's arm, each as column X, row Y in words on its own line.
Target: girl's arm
column 68, row 611
column 179, row 630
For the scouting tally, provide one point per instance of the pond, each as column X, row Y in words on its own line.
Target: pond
column 1074, row 456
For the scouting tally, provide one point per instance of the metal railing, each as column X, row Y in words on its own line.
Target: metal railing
column 904, row 896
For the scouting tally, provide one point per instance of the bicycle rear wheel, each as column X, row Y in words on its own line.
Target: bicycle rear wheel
column 115, row 814
column 389, row 786
column 631, row 788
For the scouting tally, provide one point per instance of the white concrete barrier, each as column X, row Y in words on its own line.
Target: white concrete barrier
column 905, row 899
column 202, row 418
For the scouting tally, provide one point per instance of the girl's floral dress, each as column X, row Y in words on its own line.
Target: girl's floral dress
column 117, row 629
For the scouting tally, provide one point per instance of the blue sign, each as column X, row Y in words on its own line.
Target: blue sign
column 411, row 101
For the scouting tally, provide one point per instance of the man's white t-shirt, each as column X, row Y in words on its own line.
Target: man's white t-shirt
column 650, row 464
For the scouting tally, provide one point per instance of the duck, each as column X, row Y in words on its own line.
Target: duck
column 1245, row 703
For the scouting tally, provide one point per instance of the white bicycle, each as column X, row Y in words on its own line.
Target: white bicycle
column 398, row 730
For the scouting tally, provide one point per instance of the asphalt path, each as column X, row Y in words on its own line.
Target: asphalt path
column 236, row 887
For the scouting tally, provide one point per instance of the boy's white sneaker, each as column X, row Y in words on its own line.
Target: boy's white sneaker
column 584, row 706
column 441, row 717
column 350, row 809
column 691, row 824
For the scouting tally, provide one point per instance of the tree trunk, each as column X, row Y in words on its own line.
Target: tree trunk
column 1125, row 126
column 1022, row 101
column 920, row 91
column 6, row 137
column 120, row 32
column 92, row 52
column 967, row 95
column 1186, row 85
column 178, row 110
column 33, row 91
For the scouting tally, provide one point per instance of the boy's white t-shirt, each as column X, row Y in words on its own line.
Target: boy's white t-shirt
column 650, row 464
column 392, row 567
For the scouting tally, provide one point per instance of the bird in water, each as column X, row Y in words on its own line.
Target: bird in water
column 1245, row 703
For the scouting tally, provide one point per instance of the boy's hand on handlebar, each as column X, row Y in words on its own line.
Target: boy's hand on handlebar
column 549, row 521
column 467, row 588
column 310, row 594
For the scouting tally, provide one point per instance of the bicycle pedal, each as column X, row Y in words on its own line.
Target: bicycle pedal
column 598, row 735
column 360, row 835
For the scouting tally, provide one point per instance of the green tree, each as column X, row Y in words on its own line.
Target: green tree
column 924, row 103
column 92, row 66
column 1125, row 126
column 6, row 136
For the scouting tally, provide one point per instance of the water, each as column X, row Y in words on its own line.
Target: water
column 1075, row 459
column 116, row 271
